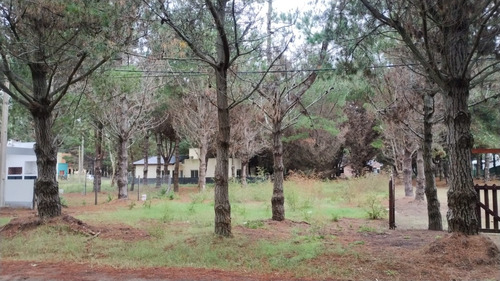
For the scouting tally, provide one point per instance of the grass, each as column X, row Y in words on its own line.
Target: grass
column 183, row 228
column 4, row 221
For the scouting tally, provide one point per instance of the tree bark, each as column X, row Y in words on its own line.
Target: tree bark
column 487, row 161
column 222, row 206
column 278, row 198
column 420, row 188
column 244, row 168
column 46, row 186
column 158, row 160
column 478, row 166
column 145, row 152
column 121, row 169
column 435, row 221
column 132, row 169
column 462, row 198
column 98, row 157
column 202, row 171
column 176, row 167
column 407, row 172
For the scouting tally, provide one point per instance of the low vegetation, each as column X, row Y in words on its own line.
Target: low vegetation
column 329, row 231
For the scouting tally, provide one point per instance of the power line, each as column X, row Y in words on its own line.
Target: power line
column 169, row 73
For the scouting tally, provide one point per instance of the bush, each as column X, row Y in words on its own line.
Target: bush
column 374, row 209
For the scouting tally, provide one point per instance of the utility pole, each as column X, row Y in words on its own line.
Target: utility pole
column 81, row 161
column 3, row 146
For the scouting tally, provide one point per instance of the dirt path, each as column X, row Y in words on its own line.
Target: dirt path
column 29, row 271
column 411, row 214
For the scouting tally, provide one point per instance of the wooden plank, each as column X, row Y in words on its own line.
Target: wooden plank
column 392, row 206
column 495, row 209
column 478, row 206
column 485, row 150
column 485, row 230
column 487, row 208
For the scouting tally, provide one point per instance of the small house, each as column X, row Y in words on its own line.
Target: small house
column 188, row 168
column 21, row 174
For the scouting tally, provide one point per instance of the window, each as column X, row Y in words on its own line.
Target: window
column 14, row 173
column 30, row 168
column 194, row 173
column 15, row 170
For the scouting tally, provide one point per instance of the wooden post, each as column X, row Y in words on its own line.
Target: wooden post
column 95, row 194
column 392, row 205
column 138, row 186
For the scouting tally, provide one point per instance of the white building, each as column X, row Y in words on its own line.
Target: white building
column 21, row 172
column 188, row 168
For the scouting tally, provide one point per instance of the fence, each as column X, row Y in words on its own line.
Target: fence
column 488, row 198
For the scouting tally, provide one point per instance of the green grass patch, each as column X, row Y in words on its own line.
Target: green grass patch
column 4, row 221
column 181, row 229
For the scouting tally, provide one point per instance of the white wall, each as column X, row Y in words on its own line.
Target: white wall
column 19, row 193
column 139, row 170
column 27, row 162
column 194, row 164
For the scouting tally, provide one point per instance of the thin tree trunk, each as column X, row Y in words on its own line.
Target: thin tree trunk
column 233, row 168
column 244, row 168
column 98, row 157
column 121, row 171
column 202, row 171
column 176, row 167
column 222, row 207
column 433, row 207
column 407, row 175
column 278, row 198
column 479, row 166
column 132, row 169
column 487, row 161
column 113, row 164
column 145, row 151
column 158, row 160
column 420, row 188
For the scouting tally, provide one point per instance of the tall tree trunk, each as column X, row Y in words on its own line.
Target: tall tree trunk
column 202, row 171
column 145, row 152
column 46, row 186
column 222, row 206
column 132, row 169
column 121, row 171
column 158, row 160
column 176, row 167
column 113, row 164
column 233, row 168
column 462, row 198
column 244, row 169
column 420, row 188
column 278, row 199
column 478, row 166
column 98, row 157
column 433, row 207
column 407, row 172
column 487, row 161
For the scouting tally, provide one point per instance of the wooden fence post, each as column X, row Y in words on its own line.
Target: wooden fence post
column 392, row 205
